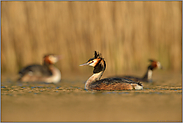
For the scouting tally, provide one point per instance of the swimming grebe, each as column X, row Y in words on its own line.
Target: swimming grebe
column 148, row 75
column 42, row 73
column 95, row 83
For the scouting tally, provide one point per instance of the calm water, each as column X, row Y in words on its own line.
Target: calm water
column 68, row 101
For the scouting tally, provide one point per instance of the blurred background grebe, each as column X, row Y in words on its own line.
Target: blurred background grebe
column 127, row 34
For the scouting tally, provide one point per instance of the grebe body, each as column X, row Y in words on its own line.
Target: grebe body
column 42, row 73
column 148, row 75
column 110, row 84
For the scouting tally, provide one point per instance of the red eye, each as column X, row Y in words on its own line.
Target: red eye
column 91, row 62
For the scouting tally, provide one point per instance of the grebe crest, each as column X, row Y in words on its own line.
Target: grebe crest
column 95, row 83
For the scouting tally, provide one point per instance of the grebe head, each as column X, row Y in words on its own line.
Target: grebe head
column 51, row 59
column 99, row 67
column 93, row 61
column 155, row 64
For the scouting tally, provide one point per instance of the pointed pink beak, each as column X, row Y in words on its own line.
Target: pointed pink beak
column 84, row 64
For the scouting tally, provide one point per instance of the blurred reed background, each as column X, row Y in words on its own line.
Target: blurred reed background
column 126, row 33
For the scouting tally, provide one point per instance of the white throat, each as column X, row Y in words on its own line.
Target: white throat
column 149, row 74
column 56, row 75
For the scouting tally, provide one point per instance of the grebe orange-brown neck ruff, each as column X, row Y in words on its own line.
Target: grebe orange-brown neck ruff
column 42, row 73
column 148, row 75
column 110, row 84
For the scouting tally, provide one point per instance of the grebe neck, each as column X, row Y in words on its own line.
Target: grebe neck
column 148, row 74
column 56, row 75
column 45, row 63
column 97, row 73
column 93, row 78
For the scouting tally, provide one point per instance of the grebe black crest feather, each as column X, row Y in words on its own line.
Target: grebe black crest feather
column 151, row 60
column 98, row 55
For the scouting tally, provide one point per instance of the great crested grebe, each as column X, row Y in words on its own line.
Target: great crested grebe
column 95, row 83
column 42, row 73
column 148, row 75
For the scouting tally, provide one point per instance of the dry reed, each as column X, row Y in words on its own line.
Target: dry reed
column 126, row 33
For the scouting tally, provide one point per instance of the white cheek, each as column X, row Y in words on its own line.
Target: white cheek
column 53, row 59
column 93, row 64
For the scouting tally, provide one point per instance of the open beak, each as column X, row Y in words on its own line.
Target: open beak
column 84, row 64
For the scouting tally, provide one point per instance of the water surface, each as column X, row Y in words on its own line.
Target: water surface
column 68, row 101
